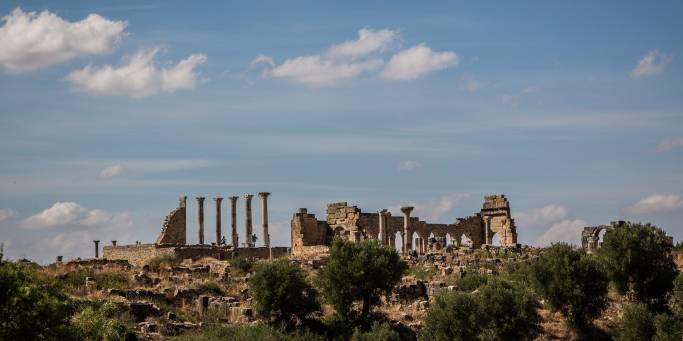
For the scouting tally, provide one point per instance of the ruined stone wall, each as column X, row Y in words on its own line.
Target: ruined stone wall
column 173, row 231
column 496, row 213
column 137, row 255
column 307, row 231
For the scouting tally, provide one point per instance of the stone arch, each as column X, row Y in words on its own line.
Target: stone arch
column 415, row 238
column 398, row 241
column 466, row 240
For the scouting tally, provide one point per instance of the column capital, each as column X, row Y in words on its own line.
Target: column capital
column 200, row 199
column 233, row 198
column 248, row 196
column 219, row 199
column 407, row 209
column 264, row 194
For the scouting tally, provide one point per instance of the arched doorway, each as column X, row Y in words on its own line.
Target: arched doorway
column 398, row 242
column 495, row 239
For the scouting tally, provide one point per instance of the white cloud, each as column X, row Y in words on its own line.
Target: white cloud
column 566, row 230
column 31, row 41
column 433, row 210
column 6, row 213
column 540, row 216
column 656, row 203
column 73, row 214
column 111, row 171
column 668, row 144
column 651, row 64
column 317, row 71
column 262, row 58
column 140, row 77
column 416, row 62
column 409, row 165
column 368, row 41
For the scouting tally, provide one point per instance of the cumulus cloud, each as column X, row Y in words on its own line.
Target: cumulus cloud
column 31, row 41
column 408, row 165
column 540, row 216
column 111, row 171
column 656, row 203
column 317, row 71
column 368, row 41
column 139, row 77
column 433, row 210
column 73, row 214
column 416, row 62
column 651, row 64
column 6, row 213
column 566, row 231
column 670, row 143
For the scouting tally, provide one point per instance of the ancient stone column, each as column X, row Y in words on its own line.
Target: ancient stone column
column 487, row 227
column 200, row 215
column 219, row 235
column 407, row 243
column 113, row 243
column 247, row 204
column 264, row 218
column 382, row 232
column 97, row 248
column 233, row 226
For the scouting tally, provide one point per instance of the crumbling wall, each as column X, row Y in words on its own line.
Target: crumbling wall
column 173, row 232
column 137, row 255
column 307, row 231
column 496, row 215
column 140, row 254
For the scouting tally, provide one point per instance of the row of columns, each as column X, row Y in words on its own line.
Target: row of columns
column 248, row 219
column 405, row 234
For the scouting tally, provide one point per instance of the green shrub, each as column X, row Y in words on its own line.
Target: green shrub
column 212, row 287
column 378, row 332
column 572, row 283
column 638, row 259
column 510, row 311
column 258, row 332
column 32, row 307
column 676, row 299
column 454, row 316
column 668, row 328
column 280, row 292
column 638, row 323
column 76, row 279
column 164, row 260
column 242, row 265
column 108, row 280
column 103, row 323
column 471, row 281
column 359, row 271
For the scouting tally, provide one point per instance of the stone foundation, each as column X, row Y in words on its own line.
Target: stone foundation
column 139, row 255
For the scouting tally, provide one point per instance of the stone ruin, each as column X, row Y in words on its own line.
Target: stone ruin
column 494, row 219
column 590, row 236
column 173, row 236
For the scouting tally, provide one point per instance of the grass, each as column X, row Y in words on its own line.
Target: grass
column 212, row 287
column 160, row 261
column 421, row 272
column 242, row 265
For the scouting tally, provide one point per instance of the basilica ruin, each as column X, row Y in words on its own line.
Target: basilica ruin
column 494, row 219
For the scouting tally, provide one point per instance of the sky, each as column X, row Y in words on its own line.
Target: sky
column 111, row 111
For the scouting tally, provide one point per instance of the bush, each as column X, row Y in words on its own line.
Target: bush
column 638, row 259
column 32, row 307
column 572, row 283
column 103, row 323
column 471, row 281
column 510, row 311
column 242, row 265
column 454, row 316
column 280, row 292
column 378, row 332
column 258, row 332
column 668, row 328
column 638, row 323
column 164, row 260
column 108, row 280
column 359, row 271
column 676, row 300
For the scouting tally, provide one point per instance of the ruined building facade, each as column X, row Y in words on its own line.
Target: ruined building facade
column 494, row 219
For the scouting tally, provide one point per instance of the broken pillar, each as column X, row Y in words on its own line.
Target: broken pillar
column 407, row 243
column 200, row 216
column 113, row 243
column 248, row 227
column 264, row 218
column 219, row 235
column 97, row 248
column 233, row 226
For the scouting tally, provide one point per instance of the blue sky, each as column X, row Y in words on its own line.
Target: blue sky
column 572, row 109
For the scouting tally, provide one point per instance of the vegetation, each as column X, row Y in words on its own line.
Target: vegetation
column 103, row 323
column 676, row 300
column 359, row 271
column 164, row 260
column 638, row 260
column 421, row 272
column 501, row 310
column 471, row 281
column 258, row 332
column 379, row 331
column 212, row 287
column 572, row 283
column 280, row 292
column 638, row 323
column 32, row 307
column 242, row 265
